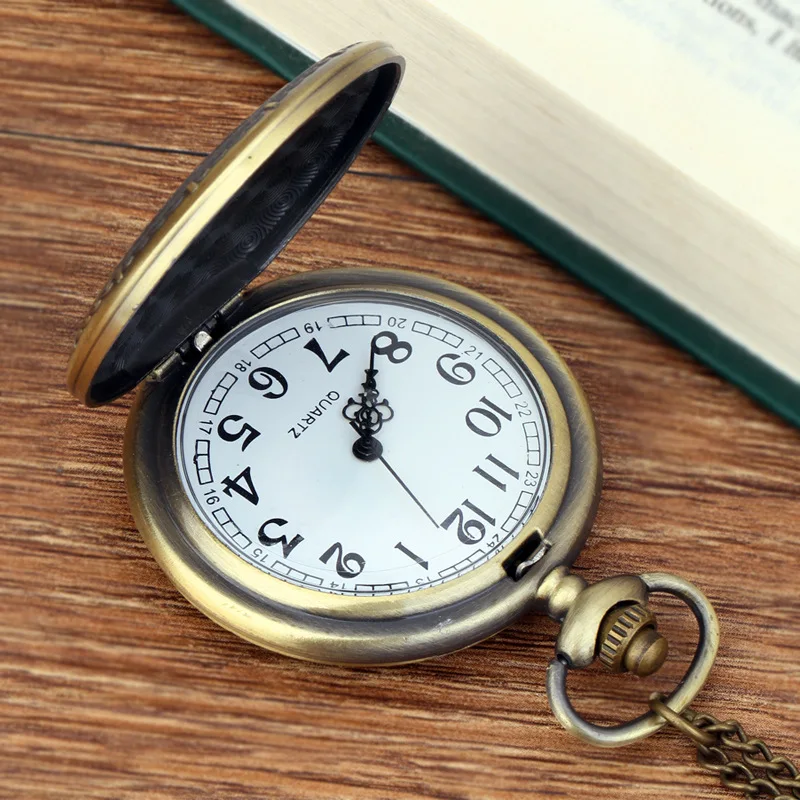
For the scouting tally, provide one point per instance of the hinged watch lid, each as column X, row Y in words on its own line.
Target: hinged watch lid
column 231, row 218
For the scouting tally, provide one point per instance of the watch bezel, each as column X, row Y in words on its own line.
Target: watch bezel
column 321, row 626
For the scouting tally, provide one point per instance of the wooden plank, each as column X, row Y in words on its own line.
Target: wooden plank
column 113, row 687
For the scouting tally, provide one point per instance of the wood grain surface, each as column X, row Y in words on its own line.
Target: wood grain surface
column 112, row 686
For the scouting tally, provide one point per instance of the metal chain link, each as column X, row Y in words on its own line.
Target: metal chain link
column 743, row 764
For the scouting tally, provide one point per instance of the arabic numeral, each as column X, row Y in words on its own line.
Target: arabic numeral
column 348, row 565
column 522, row 409
column 486, row 421
column 531, row 479
column 460, row 373
column 228, row 435
column 266, row 379
column 491, row 476
column 396, row 350
column 469, row 531
column 248, row 490
column 313, row 346
column 269, row 541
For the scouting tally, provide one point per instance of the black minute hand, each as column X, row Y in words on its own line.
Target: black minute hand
column 408, row 491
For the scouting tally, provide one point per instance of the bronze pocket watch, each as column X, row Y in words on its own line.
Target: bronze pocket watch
column 354, row 466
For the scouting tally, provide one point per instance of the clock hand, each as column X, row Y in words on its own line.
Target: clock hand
column 408, row 491
column 368, row 414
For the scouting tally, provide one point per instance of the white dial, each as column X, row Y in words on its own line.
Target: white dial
column 363, row 442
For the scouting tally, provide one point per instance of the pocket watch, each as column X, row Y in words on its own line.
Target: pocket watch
column 355, row 466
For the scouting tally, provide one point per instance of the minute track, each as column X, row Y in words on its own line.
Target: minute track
column 431, row 411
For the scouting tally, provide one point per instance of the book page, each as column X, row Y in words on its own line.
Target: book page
column 612, row 121
column 711, row 86
column 751, row 45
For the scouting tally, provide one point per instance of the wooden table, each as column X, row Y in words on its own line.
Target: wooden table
column 113, row 686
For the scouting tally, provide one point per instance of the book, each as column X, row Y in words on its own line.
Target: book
column 649, row 148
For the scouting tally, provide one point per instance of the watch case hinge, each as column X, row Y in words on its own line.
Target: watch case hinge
column 193, row 347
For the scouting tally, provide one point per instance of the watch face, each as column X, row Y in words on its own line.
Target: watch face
column 363, row 442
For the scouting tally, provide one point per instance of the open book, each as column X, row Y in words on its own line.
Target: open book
column 653, row 148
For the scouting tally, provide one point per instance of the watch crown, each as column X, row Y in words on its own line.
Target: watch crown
column 629, row 641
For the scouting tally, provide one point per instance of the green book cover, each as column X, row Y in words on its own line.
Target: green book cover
column 758, row 378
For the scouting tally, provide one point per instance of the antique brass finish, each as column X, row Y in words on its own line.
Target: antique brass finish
column 164, row 311
column 608, row 620
column 681, row 722
column 576, row 642
column 743, row 763
column 320, row 626
column 629, row 641
column 580, row 633
column 202, row 202
column 559, row 590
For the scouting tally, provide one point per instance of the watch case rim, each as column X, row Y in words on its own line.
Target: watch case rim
column 338, row 629
column 201, row 201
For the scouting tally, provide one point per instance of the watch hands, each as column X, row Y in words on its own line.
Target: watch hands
column 408, row 491
column 370, row 449
column 368, row 414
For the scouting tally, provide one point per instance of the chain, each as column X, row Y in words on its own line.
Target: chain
column 743, row 764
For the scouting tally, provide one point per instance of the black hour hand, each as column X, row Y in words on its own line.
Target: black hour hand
column 367, row 415
column 369, row 412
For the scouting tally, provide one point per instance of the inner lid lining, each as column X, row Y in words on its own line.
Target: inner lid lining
column 247, row 233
